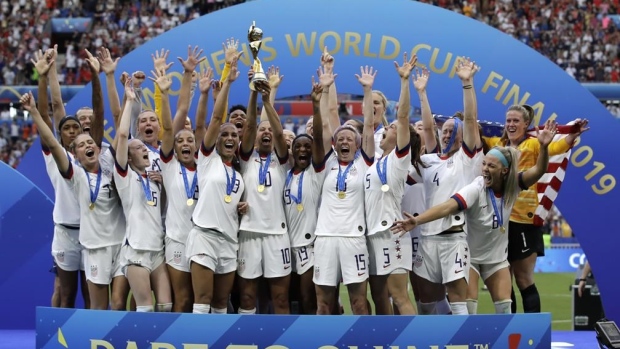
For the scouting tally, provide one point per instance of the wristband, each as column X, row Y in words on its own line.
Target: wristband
column 467, row 87
column 582, row 280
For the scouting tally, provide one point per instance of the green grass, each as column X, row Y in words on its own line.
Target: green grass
column 555, row 298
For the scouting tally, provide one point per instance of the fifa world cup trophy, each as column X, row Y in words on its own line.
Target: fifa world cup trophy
column 255, row 37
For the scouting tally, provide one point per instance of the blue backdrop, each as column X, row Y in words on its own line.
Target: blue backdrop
column 357, row 34
column 69, row 328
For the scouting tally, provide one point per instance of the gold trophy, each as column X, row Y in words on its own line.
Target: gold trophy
column 255, row 36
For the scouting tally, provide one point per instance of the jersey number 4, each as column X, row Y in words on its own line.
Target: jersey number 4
column 436, row 178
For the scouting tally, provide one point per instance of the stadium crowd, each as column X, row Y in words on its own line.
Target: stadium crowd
column 579, row 35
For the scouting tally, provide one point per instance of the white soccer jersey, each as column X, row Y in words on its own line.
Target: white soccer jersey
column 384, row 208
column 66, row 208
column 343, row 217
column 144, row 229
column 154, row 158
column 442, row 178
column 487, row 242
column 301, row 224
column 266, row 212
column 104, row 224
column 215, row 179
column 414, row 203
column 178, row 212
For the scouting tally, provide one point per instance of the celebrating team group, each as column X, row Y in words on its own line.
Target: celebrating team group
column 192, row 218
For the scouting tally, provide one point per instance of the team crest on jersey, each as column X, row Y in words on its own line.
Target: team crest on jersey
column 417, row 262
column 316, row 271
column 353, row 171
column 94, row 270
column 177, row 256
column 60, row 256
column 241, row 265
column 450, row 162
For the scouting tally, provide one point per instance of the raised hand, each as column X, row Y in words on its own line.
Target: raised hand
column 193, row 59
column 230, row 50
column 217, row 87
column 27, row 101
column 41, row 62
column 129, row 89
column 108, row 65
column 317, row 91
column 273, row 74
column 545, row 137
column 405, row 70
column 52, row 53
column 93, row 62
column 327, row 61
column 420, row 79
column 326, row 78
column 162, row 80
column 368, row 76
column 159, row 60
column 263, row 88
column 583, row 126
column 466, row 69
column 205, row 80
column 403, row 226
column 138, row 78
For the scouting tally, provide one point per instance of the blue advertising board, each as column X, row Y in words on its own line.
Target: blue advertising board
column 560, row 260
column 69, row 328
column 511, row 73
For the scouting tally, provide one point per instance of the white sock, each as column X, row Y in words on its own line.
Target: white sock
column 247, row 312
column 472, row 306
column 427, row 308
column 459, row 308
column 163, row 308
column 219, row 311
column 443, row 307
column 201, row 308
column 144, row 308
column 503, row 307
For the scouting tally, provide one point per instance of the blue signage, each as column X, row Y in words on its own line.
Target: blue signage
column 69, row 328
column 511, row 72
column 561, row 260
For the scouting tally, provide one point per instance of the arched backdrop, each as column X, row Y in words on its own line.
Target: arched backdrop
column 367, row 32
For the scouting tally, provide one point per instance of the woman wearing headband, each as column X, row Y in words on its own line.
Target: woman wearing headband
column 443, row 246
column 525, row 233
column 486, row 201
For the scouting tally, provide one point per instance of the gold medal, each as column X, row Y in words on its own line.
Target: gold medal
column 150, row 203
column 261, row 188
column 342, row 195
column 300, row 207
column 227, row 199
column 91, row 206
column 190, row 202
column 385, row 188
column 502, row 229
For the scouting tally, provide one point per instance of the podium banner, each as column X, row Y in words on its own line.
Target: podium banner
column 95, row 329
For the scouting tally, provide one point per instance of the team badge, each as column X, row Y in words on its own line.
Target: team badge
column 177, row 257
column 60, row 256
column 94, row 270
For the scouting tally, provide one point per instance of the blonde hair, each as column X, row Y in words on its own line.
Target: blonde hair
column 511, row 181
column 384, row 101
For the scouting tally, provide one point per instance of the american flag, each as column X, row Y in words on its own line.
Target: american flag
column 550, row 183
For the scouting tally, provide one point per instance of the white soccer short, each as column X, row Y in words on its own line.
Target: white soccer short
column 103, row 264
column 339, row 258
column 486, row 270
column 389, row 253
column 264, row 255
column 66, row 248
column 150, row 260
column 175, row 255
column 212, row 250
column 303, row 258
column 443, row 258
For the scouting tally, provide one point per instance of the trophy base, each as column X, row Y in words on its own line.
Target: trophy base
column 259, row 76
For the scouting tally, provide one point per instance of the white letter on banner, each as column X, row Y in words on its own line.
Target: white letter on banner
column 156, row 345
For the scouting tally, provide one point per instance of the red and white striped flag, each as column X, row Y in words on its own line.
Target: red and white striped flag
column 550, row 183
